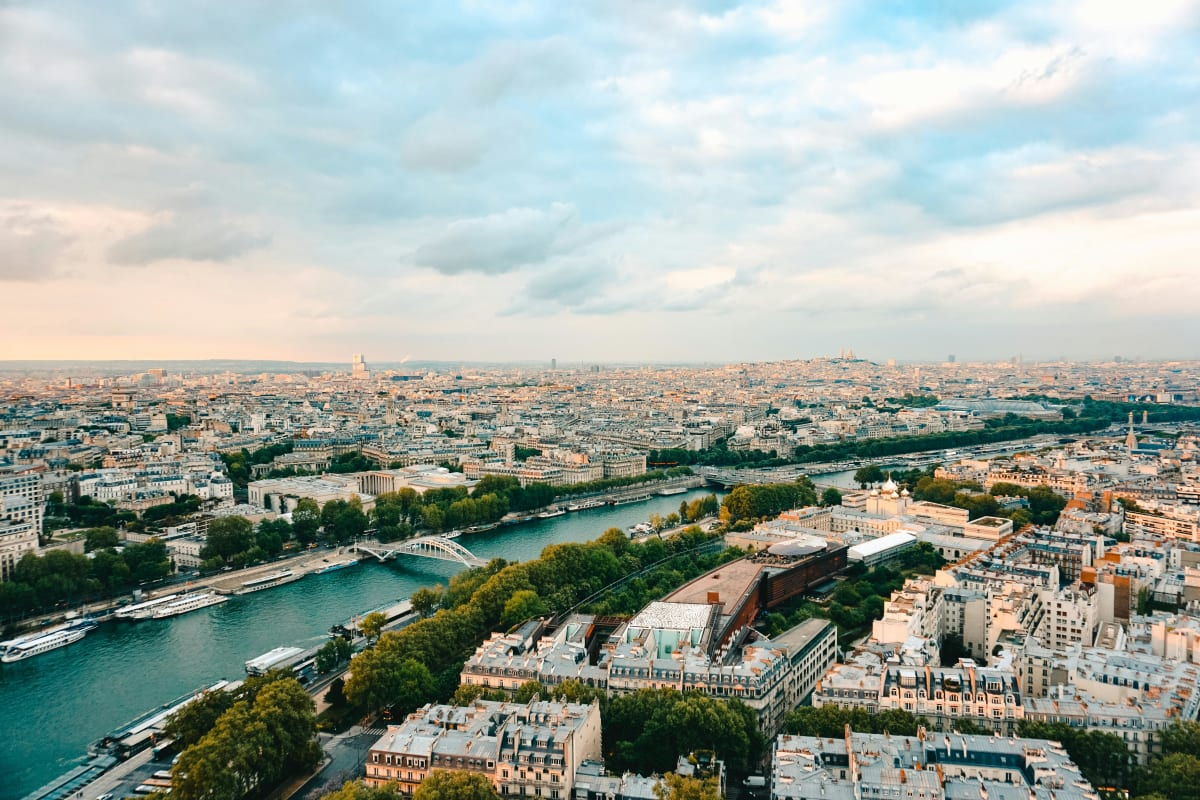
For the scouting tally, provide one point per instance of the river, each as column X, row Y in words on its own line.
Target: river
column 52, row 706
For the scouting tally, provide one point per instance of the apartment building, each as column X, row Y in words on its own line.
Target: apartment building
column 1130, row 693
column 666, row 645
column 21, row 495
column 927, row 766
column 987, row 696
column 1169, row 523
column 282, row 494
column 17, row 537
column 526, row 750
column 1069, row 616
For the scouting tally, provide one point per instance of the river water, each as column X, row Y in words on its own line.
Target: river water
column 54, row 705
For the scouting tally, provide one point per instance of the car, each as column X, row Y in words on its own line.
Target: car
column 105, row 796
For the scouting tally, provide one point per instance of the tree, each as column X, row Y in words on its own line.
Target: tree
column 433, row 517
column 189, row 724
column 360, row 791
column 357, row 790
column 831, row 497
column 343, row 520
column 468, row 693
column 872, row 473
column 679, row 787
column 110, row 569
column 334, row 652
column 372, row 624
column 426, row 600
column 264, row 736
column 288, row 712
column 147, row 561
column 527, row 691
column 952, row 650
column 765, row 500
column 523, row 605
column 306, row 519
column 447, row 785
column 646, row 730
column 1176, row 776
column 1045, row 504
column 377, row 681
column 96, row 538
column 1183, row 736
column 228, row 537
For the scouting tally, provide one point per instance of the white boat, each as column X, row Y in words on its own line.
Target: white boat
column 269, row 581
column 557, row 512
column 640, row 530
column 671, row 491
column 190, row 602
column 20, row 640
column 350, row 562
column 586, row 504
column 143, row 610
column 35, row 644
column 629, row 500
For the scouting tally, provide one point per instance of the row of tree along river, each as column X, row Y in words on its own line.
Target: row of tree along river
column 52, row 706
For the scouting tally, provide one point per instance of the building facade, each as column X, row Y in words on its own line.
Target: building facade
column 526, row 750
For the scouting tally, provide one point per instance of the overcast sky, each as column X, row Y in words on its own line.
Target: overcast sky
column 607, row 180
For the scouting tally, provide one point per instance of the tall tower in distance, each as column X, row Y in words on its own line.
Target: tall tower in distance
column 1130, row 439
column 358, row 368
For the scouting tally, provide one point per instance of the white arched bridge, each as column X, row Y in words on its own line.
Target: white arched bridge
column 437, row 547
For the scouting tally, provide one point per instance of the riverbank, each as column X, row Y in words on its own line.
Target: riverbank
column 223, row 582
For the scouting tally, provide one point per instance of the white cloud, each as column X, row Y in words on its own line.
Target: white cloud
column 31, row 242
column 186, row 237
column 497, row 243
column 855, row 162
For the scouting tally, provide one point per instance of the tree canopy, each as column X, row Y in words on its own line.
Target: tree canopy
column 647, row 730
column 447, row 785
column 252, row 745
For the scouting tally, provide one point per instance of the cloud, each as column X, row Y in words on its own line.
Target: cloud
column 571, row 285
column 30, row 244
column 593, row 165
column 445, row 142
column 515, row 67
column 498, row 243
column 195, row 237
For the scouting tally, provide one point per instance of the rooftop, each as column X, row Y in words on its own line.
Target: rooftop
column 730, row 583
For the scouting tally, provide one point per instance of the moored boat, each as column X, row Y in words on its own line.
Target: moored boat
column 584, row 505
column 190, row 602
column 336, row 565
column 35, row 644
column 143, row 610
column 270, row 581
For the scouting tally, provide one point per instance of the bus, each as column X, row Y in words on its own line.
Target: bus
column 306, row 670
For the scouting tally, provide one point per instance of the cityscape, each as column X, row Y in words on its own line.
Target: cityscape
column 660, row 400
column 602, row 580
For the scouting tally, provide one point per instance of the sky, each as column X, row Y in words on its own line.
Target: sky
column 616, row 180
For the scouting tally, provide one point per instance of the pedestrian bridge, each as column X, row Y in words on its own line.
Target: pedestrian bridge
column 438, row 547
